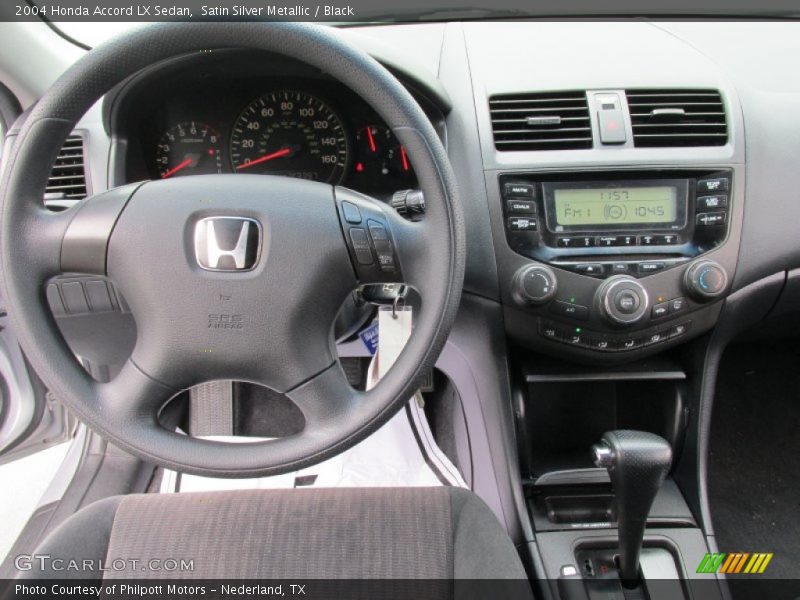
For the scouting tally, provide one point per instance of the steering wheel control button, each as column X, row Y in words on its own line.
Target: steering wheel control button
column 358, row 237
column 521, row 207
column 711, row 219
column 622, row 300
column 519, row 190
column 712, row 185
column 522, row 224
column 383, row 248
column 705, row 280
column 571, row 310
column 351, row 213
column 377, row 231
column 712, row 202
column 534, row 284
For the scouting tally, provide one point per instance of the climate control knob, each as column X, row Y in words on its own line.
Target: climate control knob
column 705, row 280
column 534, row 284
column 622, row 300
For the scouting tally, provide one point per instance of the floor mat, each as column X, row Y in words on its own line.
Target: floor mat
column 754, row 466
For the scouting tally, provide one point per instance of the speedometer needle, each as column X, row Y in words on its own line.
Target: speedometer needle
column 178, row 167
column 278, row 154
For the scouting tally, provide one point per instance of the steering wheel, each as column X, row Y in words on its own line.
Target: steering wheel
column 229, row 276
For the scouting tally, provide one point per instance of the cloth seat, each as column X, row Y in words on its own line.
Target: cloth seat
column 444, row 534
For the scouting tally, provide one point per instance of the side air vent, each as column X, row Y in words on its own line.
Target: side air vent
column 667, row 118
column 546, row 121
column 68, row 177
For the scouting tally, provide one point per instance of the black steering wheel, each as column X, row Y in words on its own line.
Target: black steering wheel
column 229, row 276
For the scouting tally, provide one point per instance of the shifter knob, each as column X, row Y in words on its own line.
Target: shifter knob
column 637, row 464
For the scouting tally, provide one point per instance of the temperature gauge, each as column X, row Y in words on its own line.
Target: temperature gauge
column 381, row 162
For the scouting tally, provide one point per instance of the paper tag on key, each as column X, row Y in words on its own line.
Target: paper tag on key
column 394, row 329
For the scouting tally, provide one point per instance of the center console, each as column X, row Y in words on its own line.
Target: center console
column 610, row 265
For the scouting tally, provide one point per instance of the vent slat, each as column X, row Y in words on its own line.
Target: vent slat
column 541, row 121
column 68, row 176
column 677, row 118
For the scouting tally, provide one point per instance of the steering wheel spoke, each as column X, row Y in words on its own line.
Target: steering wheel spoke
column 229, row 276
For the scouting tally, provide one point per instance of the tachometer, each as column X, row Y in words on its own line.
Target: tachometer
column 290, row 133
column 189, row 148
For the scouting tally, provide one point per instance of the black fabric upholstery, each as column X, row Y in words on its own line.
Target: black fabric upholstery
column 312, row 533
column 82, row 537
column 356, row 533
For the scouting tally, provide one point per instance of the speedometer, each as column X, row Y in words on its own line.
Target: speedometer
column 290, row 133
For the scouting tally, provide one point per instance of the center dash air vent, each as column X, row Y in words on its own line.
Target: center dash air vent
column 68, row 177
column 667, row 118
column 541, row 121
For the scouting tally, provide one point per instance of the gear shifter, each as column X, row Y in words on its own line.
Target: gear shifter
column 637, row 464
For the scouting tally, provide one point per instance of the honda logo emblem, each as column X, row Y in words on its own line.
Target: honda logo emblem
column 227, row 243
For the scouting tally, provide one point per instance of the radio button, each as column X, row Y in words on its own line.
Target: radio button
column 716, row 184
column 711, row 202
column 592, row 269
column 711, row 219
column 660, row 310
column 627, row 240
column 568, row 309
column 667, row 239
column 648, row 240
column 607, row 240
column 519, row 190
column 522, row 224
column 575, row 242
column 620, row 268
column 646, row 268
column 521, row 206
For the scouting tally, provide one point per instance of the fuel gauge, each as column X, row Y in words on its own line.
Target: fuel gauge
column 381, row 162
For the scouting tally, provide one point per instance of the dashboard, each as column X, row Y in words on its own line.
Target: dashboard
column 570, row 223
column 240, row 112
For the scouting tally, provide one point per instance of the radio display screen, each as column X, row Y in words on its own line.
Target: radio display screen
column 657, row 204
column 605, row 206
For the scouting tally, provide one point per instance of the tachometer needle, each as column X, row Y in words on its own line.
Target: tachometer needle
column 178, row 167
column 371, row 139
column 278, row 154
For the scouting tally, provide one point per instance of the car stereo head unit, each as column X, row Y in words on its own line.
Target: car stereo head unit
column 624, row 205
column 566, row 218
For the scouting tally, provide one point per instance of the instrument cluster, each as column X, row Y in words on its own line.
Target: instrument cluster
column 310, row 129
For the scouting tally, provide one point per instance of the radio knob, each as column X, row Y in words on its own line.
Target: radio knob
column 622, row 300
column 705, row 279
column 534, row 284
